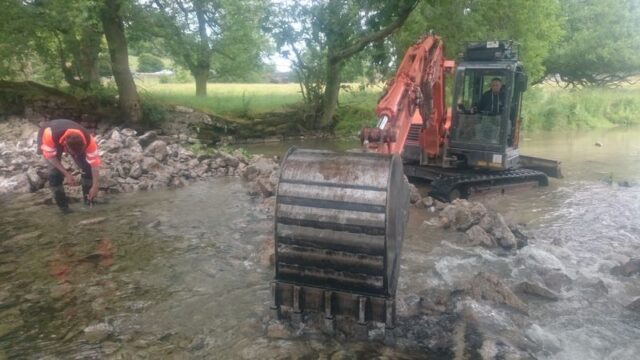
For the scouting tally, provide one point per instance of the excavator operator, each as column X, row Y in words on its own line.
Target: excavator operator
column 58, row 136
column 493, row 100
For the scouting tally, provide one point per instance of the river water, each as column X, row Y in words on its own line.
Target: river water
column 181, row 274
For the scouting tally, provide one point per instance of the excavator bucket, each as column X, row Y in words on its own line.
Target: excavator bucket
column 339, row 226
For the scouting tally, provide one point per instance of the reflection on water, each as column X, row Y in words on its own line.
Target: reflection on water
column 180, row 274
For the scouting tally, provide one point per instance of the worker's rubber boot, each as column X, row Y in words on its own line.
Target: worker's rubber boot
column 86, row 186
column 61, row 199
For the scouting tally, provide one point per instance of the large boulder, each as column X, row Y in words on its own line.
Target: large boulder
column 157, row 149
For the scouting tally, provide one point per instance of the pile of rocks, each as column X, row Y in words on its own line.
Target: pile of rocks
column 481, row 226
column 129, row 162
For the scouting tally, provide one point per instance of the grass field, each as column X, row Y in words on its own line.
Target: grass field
column 236, row 100
column 545, row 107
column 548, row 108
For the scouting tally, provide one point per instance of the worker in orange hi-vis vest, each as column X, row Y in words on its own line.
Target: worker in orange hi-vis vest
column 58, row 136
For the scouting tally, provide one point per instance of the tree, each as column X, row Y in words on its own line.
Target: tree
column 61, row 35
column 195, row 30
column 322, row 36
column 111, row 16
column 535, row 25
column 601, row 45
column 149, row 63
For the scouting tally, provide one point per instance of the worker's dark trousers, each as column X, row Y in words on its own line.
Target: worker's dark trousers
column 56, row 180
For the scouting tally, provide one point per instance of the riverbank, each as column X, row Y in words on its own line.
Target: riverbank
column 130, row 162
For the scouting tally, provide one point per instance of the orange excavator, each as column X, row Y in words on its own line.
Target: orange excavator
column 340, row 218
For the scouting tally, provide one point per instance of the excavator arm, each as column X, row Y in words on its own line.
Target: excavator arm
column 414, row 98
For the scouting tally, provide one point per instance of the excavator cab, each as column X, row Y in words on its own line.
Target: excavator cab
column 485, row 120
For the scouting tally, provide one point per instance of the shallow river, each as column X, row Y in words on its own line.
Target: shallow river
column 179, row 274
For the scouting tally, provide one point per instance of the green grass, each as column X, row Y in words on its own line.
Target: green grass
column 562, row 109
column 545, row 108
column 234, row 100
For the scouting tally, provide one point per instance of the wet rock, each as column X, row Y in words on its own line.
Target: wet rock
column 462, row 214
column 116, row 137
column 35, row 180
column 414, row 194
column 478, row 237
column 109, row 347
column 259, row 167
column 598, row 286
column 427, row 201
column 267, row 252
column 500, row 230
column 634, row 306
column 547, row 343
column 522, row 240
column 536, row 290
column 439, row 205
column 157, row 149
column 278, row 330
column 92, row 221
column 499, row 349
column 487, row 286
column 456, row 218
column 136, row 171
column 150, row 165
column 631, row 267
column 11, row 321
column 16, row 184
column 98, row 332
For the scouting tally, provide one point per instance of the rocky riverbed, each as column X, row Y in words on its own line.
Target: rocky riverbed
column 184, row 273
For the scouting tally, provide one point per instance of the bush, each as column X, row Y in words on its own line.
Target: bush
column 149, row 63
column 153, row 113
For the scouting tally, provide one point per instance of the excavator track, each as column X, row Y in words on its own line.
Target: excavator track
column 339, row 225
column 448, row 188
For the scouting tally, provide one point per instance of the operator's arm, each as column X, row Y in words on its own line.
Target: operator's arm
column 95, row 175
column 68, row 178
column 94, row 160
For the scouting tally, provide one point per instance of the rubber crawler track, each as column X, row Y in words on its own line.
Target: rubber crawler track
column 441, row 188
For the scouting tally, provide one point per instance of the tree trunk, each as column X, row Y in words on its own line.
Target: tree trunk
column 331, row 92
column 203, row 65
column 118, row 51
column 201, row 75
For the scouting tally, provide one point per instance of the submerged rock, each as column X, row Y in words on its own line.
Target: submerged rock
column 634, row 306
column 536, row 290
column 486, row 286
column 98, row 332
column 414, row 194
column 631, row 267
column 557, row 280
